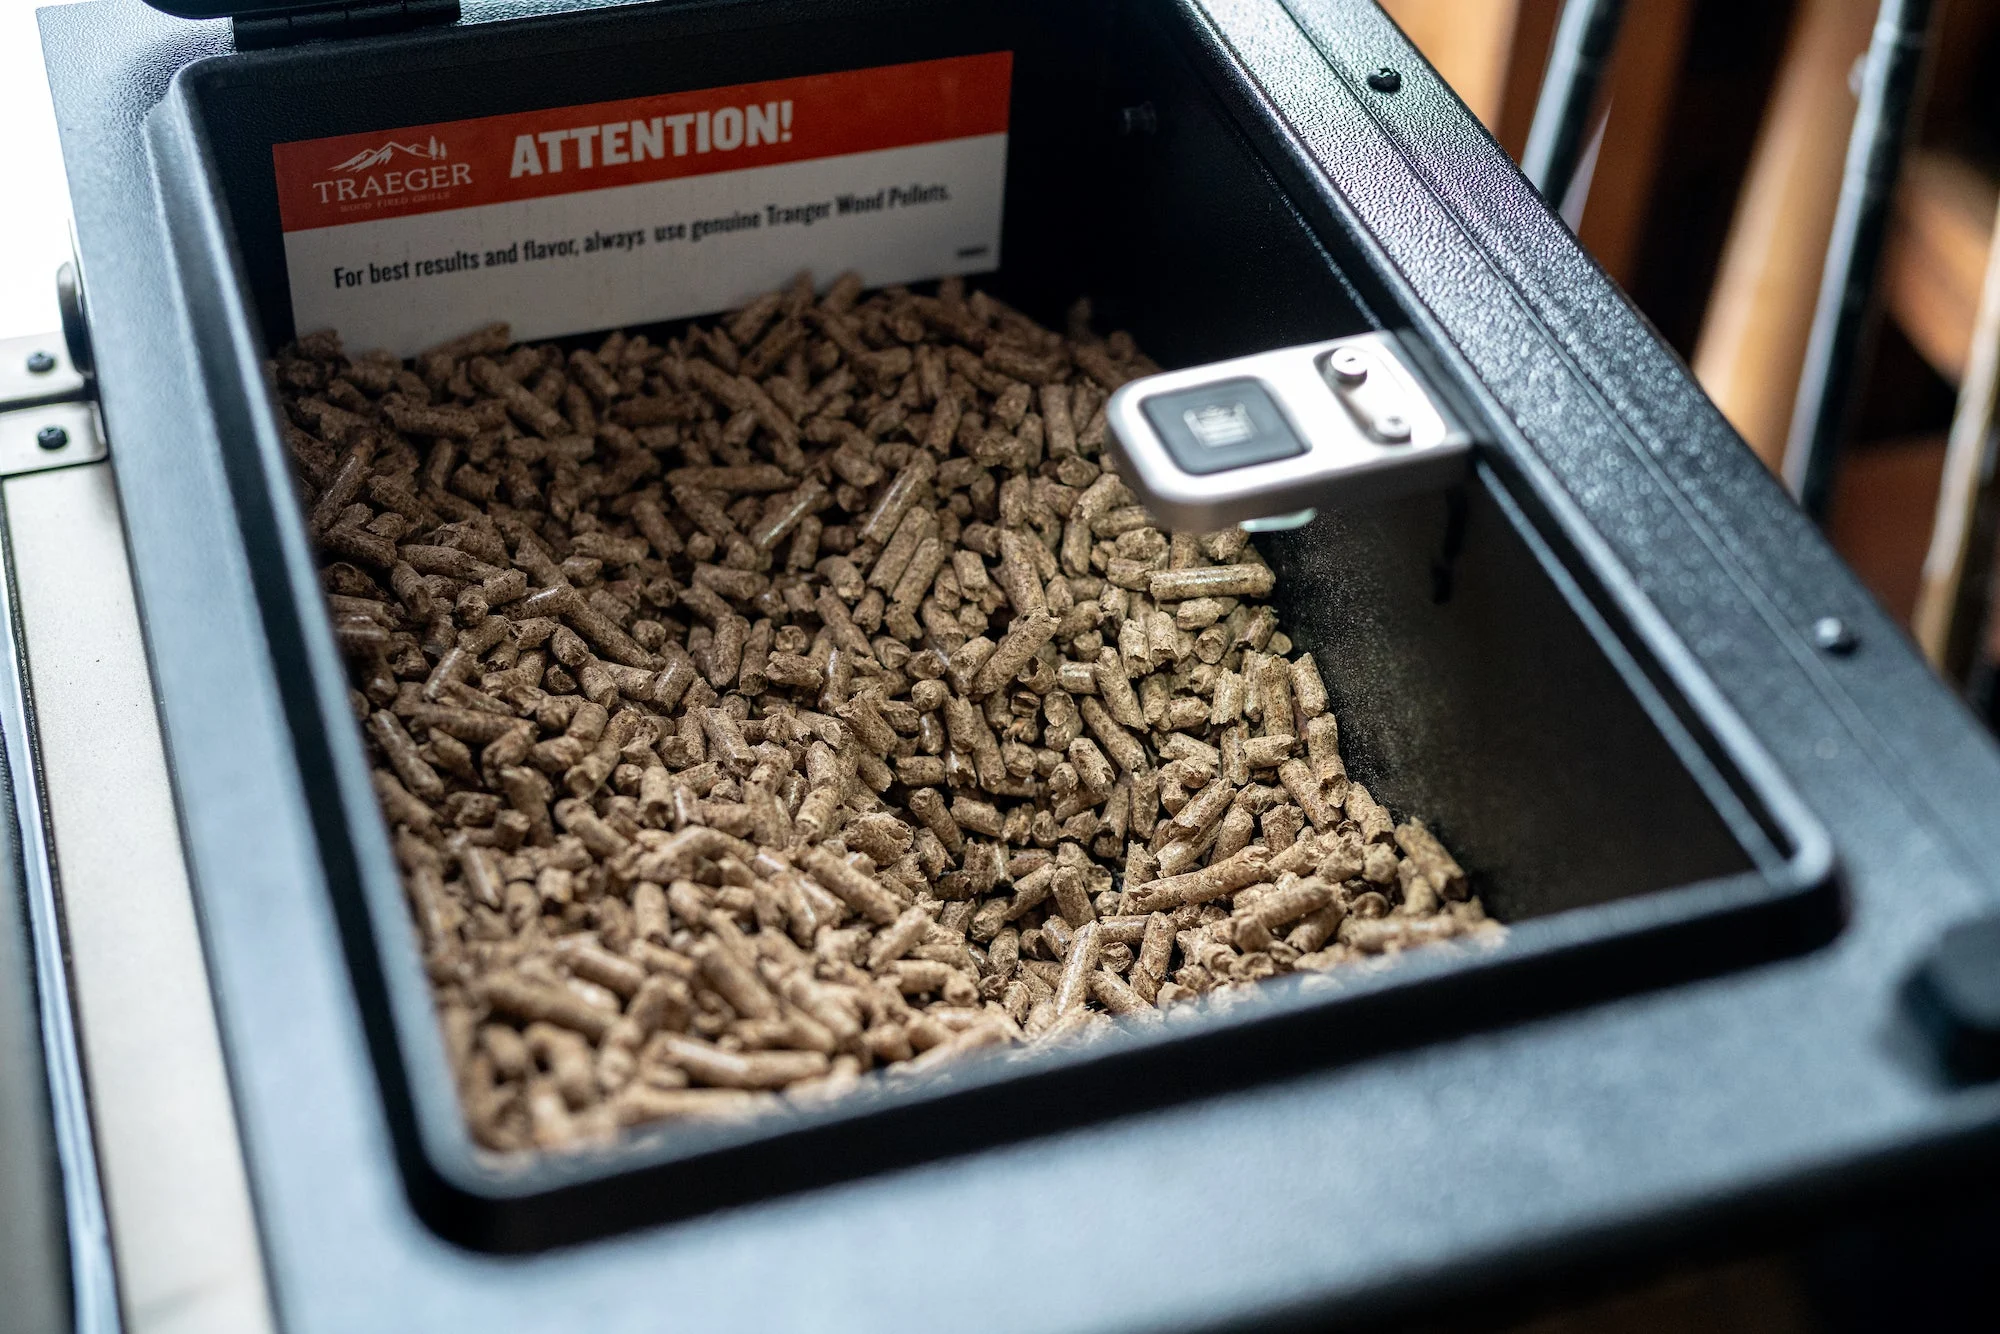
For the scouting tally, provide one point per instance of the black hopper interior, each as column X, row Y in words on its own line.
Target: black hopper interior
column 1487, row 676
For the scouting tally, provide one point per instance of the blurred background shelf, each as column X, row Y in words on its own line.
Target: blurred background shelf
column 1936, row 255
column 1720, row 132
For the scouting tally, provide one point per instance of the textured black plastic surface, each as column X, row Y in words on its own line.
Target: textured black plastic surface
column 1679, row 1116
column 1468, row 689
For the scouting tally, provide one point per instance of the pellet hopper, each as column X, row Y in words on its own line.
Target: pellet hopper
column 1733, row 829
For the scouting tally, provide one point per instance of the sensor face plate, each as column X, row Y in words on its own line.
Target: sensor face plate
column 1316, row 426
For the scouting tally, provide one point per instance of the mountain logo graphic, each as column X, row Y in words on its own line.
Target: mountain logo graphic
column 388, row 152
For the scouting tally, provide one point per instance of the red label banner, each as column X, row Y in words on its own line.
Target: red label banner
column 535, row 154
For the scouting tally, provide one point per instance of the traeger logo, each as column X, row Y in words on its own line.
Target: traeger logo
column 372, row 174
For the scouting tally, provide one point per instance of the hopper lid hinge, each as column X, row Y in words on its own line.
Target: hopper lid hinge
column 339, row 20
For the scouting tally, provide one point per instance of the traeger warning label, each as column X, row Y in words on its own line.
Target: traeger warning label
column 620, row 213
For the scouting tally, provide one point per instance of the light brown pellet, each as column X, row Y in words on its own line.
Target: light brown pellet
column 806, row 695
column 640, row 1103
column 1116, row 995
column 710, row 1065
column 1120, row 744
column 896, row 941
column 1248, row 867
column 1369, row 818
column 858, row 890
column 1432, row 861
column 1078, row 964
column 1307, row 688
column 1307, row 790
column 1373, row 936
column 1211, row 581
column 1024, row 637
column 1288, row 903
column 1155, row 949
column 1114, row 686
column 1323, row 748
column 519, row 998
column 1268, row 752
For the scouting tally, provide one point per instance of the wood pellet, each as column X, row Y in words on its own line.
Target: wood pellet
column 805, row 697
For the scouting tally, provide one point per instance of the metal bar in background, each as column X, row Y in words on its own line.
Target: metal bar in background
column 1951, row 602
column 47, row 422
column 92, row 1273
column 1828, row 388
column 1562, row 127
column 180, row 1222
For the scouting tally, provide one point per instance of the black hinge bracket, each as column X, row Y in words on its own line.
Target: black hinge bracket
column 305, row 25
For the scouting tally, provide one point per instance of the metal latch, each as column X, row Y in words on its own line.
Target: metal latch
column 46, row 417
column 1266, row 440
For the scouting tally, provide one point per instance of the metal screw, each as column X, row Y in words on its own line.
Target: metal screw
column 1385, row 80
column 1141, row 119
column 40, row 363
column 52, row 437
column 1393, row 429
column 1348, row 366
column 1833, row 636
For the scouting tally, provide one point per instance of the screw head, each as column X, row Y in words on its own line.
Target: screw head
column 1393, row 428
column 40, row 363
column 52, row 437
column 1348, row 366
column 1833, row 636
column 1385, row 80
column 1138, row 120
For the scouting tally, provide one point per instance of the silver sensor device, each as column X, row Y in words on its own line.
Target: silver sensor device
column 1266, row 440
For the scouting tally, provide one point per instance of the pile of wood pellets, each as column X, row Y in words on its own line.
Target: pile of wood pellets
column 806, row 696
